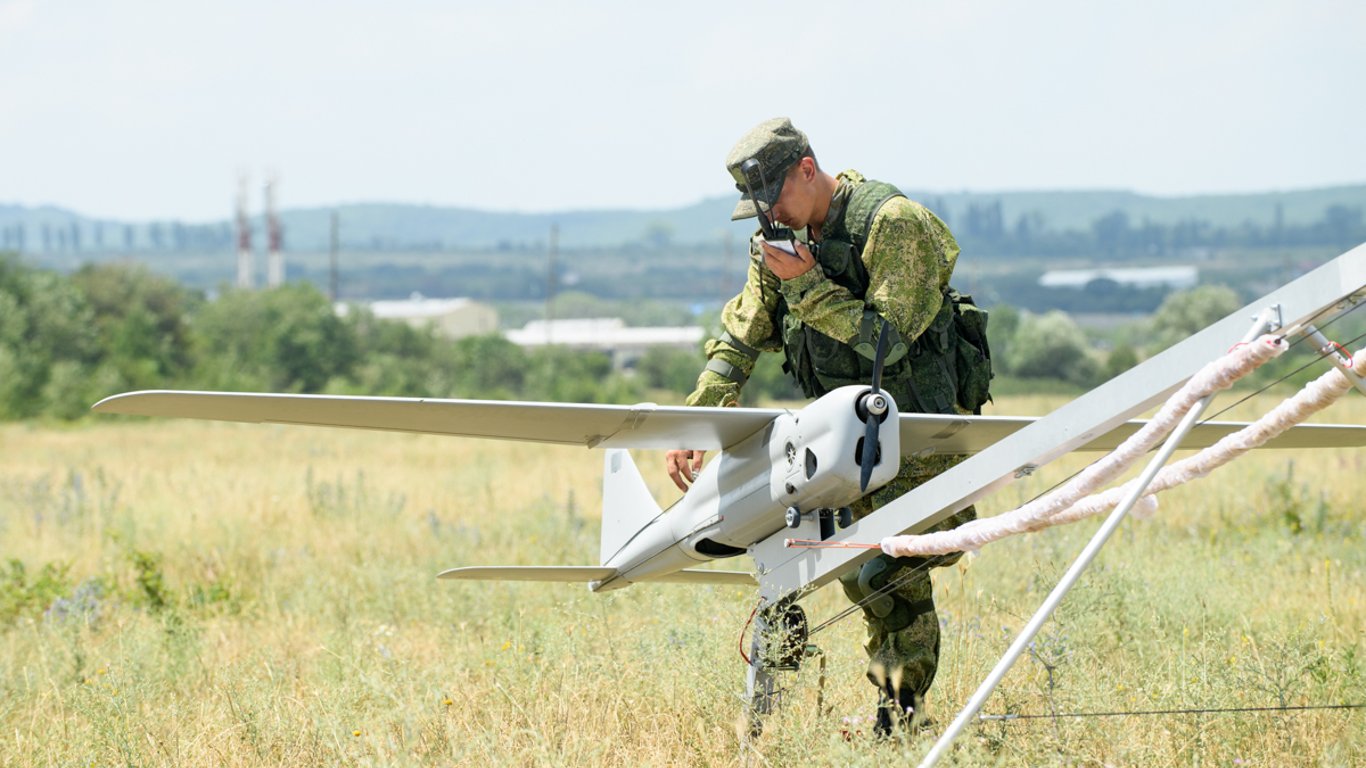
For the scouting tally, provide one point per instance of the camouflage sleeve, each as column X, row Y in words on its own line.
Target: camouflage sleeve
column 747, row 323
column 909, row 256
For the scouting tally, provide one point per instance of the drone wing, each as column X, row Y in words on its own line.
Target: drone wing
column 586, row 573
column 644, row 425
column 970, row 434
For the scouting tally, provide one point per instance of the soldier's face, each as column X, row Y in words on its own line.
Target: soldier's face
column 797, row 202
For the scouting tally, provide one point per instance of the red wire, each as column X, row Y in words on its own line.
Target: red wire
column 814, row 544
column 1273, row 342
column 1342, row 351
column 746, row 627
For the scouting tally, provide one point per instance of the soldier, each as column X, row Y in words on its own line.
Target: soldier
column 880, row 256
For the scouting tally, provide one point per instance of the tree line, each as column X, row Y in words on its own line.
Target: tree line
column 67, row 341
column 982, row 229
column 80, row 236
column 981, row 226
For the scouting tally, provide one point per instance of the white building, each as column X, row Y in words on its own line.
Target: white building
column 607, row 334
column 451, row 318
column 1134, row 277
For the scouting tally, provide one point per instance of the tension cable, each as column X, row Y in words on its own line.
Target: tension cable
column 907, row 573
column 1133, row 713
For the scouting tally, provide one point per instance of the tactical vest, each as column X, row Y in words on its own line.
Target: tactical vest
column 948, row 365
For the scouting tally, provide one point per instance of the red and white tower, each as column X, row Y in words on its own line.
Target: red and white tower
column 245, row 268
column 275, row 259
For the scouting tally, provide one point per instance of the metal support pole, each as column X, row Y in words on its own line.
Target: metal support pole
column 941, row 747
column 1338, row 354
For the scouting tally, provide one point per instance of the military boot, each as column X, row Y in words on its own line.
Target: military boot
column 895, row 709
column 900, row 709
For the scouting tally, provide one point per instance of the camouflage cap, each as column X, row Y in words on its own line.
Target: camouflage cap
column 777, row 146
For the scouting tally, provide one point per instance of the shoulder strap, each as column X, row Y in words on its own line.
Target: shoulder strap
column 867, row 200
column 868, row 225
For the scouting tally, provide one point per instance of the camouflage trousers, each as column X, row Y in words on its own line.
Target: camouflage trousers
column 903, row 629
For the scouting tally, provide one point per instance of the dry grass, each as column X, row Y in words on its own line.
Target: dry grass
column 265, row 596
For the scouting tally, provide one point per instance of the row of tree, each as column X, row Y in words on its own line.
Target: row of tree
column 78, row 236
column 982, row 226
column 985, row 231
column 68, row 340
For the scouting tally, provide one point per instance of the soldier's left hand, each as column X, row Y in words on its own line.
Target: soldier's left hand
column 785, row 265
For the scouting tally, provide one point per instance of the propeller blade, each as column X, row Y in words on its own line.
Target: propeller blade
column 879, row 355
column 872, row 420
column 869, row 453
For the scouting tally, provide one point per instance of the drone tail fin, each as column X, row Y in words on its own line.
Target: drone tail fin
column 627, row 505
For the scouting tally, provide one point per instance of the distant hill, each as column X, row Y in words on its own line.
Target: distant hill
column 396, row 226
column 1076, row 210
column 389, row 224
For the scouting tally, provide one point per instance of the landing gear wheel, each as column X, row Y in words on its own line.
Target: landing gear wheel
column 827, row 519
column 793, row 516
column 846, row 517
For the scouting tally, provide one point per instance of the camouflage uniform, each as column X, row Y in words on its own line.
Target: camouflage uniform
column 909, row 256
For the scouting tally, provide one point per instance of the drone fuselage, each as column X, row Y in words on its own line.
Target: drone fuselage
column 807, row 461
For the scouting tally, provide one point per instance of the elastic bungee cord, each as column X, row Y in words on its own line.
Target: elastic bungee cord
column 910, row 572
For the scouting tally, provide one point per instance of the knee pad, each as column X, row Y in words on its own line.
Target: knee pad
column 873, row 576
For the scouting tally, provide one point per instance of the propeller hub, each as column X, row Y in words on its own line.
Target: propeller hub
column 875, row 403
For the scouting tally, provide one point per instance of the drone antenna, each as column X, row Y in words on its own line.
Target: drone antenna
column 747, row 169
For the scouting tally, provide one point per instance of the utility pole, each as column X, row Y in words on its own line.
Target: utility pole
column 275, row 260
column 550, row 281
column 245, row 268
column 332, row 251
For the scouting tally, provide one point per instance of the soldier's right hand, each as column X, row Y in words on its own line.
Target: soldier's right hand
column 683, row 467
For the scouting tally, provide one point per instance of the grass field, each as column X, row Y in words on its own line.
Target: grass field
column 182, row 593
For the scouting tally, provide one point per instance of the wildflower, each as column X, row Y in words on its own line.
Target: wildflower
column 506, row 645
column 447, row 701
column 356, row 732
column 84, row 605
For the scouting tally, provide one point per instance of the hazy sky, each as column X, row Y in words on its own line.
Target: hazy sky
column 142, row 109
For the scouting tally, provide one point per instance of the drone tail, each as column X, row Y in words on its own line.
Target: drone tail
column 627, row 505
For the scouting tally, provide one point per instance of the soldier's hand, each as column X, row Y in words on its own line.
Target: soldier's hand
column 786, row 265
column 683, row 467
